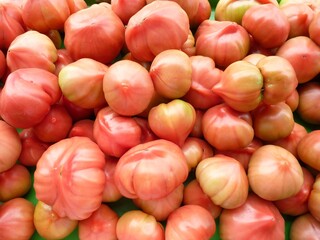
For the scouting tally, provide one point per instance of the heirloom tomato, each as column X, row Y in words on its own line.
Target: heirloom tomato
column 304, row 227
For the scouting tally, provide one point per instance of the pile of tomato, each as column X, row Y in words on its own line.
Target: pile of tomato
column 146, row 119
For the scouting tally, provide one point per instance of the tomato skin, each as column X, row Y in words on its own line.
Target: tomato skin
column 125, row 9
column 267, row 24
column 77, row 113
column 114, row 133
column 3, row 64
column 76, row 5
column 28, row 96
column 203, row 13
column 49, row 225
column 224, row 41
column 314, row 28
column 194, row 195
column 298, row 204
column 190, row 222
column 226, row 129
column 110, row 192
column 32, row 45
column 304, row 56
column 159, row 18
column 70, row 177
column 84, row 24
column 256, row 218
column 10, row 147
column 159, row 163
column 12, row 24
column 127, row 87
column 16, row 219
column 308, row 149
column 228, row 190
column 32, row 147
column 172, row 121
column 82, row 128
column 63, row 60
column 101, row 225
column 314, row 198
column 88, row 72
column 137, row 225
column 281, row 168
column 309, row 107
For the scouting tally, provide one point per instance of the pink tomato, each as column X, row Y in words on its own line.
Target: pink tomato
column 304, row 227
column 308, row 149
column 159, row 163
column 3, row 64
column 82, row 128
column 125, row 9
column 70, row 177
column 110, row 192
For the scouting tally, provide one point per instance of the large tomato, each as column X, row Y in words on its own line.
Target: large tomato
column 70, row 177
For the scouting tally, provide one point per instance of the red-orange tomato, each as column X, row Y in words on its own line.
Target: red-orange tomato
column 115, row 134
column 28, row 96
column 304, row 227
column 110, row 193
column 159, row 18
column 16, row 219
column 191, row 222
column 15, row 182
column 63, row 60
column 77, row 113
column 32, row 147
column 70, row 177
column 10, row 147
column 125, row 9
column 81, row 28
column 49, row 225
column 55, row 126
column 101, row 225
column 3, row 64
column 11, row 24
column 314, row 28
column 82, row 128
column 256, row 217
column 159, row 163
column 267, row 24
column 308, row 149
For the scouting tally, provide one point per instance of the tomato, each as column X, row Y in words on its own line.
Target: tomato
column 304, row 56
column 172, row 121
column 297, row 204
column 32, row 147
column 223, row 41
column 204, row 76
column 10, row 147
column 203, row 13
column 32, row 45
column 115, row 134
column 227, row 129
column 127, row 88
column 159, row 18
column 55, row 126
column 308, row 107
column 171, row 73
column 300, row 16
column 314, row 28
column 76, row 5
column 70, row 177
column 224, row 180
column 77, row 113
column 314, row 198
column 267, row 24
column 16, row 219
column 100, row 225
column 125, row 9
column 110, row 192
column 189, row 47
column 304, row 227
column 308, row 149
column 190, row 222
column 194, row 195
column 35, row 15
column 49, row 225
column 81, row 28
column 83, row 71
column 240, row 86
column 162, row 207
column 280, row 167
column 12, row 24
column 27, row 96
column 82, row 128
column 63, row 60
column 272, row 122
column 256, row 218
column 159, row 163
column 3, row 64
column 137, row 225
